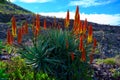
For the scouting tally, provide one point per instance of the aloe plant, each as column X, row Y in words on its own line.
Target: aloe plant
column 51, row 53
column 38, row 55
column 65, row 54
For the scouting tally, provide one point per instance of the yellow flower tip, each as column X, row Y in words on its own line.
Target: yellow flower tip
column 14, row 32
column 14, row 27
column 67, row 20
column 89, row 39
column 37, row 22
column 90, row 34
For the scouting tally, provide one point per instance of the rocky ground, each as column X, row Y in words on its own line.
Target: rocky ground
column 105, row 72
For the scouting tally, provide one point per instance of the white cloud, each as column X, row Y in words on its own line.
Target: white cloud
column 12, row 0
column 88, row 3
column 52, row 14
column 97, row 18
column 102, row 18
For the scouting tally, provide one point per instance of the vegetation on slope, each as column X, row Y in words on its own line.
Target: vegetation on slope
column 10, row 8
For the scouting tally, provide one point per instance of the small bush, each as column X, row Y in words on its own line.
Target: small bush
column 109, row 61
column 16, row 69
column 117, row 60
column 116, row 73
column 99, row 61
column 3, row 73
column 106, row 61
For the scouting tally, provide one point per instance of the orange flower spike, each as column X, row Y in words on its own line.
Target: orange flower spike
column 78, row 18
column 81, row 44
column 37, row 22
column 45, row 24
column 12, row 39
column 19, row 35
column 77, row 9
column 90, row 34
column 76, row 21
column 68, row 16
column 23, row 29
column 94, row 43
column 72, row 56
column 36, row 33
column 83, row 56
column 74, row 27
column 67, row 21
column 59, row 26
column 85, row 26
column 26, row 27
column 91, row 58
column 9, row 37
column 77, row 12
column 80, row 27
column 77, row 15
column 14, row 27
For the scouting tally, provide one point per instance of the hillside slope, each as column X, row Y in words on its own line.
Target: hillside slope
column 8, row 9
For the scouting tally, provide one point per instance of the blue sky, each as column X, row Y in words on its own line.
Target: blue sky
column 99, row 11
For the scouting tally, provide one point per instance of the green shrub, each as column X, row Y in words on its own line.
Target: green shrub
column 16, row 69
column 3, row 68
column 8, row 48
column 50, row 55
column 106, row 61
column 109, row 61
column 99, row 61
